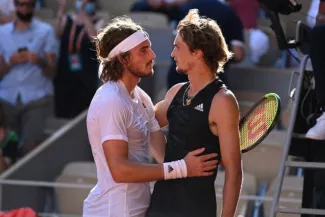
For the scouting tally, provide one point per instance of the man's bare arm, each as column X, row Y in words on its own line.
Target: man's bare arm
column 226, row 118
column 162, row 106
column 123, row 170
column 158, row 140
column 126, row 171
column 158, row 145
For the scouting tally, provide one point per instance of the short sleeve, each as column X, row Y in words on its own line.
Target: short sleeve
column 112, row 120
column 51, row 42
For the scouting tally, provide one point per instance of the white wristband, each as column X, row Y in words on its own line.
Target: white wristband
column 175, row 170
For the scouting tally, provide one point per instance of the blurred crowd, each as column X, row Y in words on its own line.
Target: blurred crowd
column 45, row 70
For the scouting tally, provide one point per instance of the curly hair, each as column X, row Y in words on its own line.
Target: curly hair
column 201, row 33
column 115, row 32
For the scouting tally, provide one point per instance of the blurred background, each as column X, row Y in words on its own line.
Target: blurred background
column 54, row 176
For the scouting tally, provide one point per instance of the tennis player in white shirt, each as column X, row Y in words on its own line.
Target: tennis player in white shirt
column 122, row 128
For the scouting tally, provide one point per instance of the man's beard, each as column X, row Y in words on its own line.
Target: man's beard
column 141, row 74
column 24, row 17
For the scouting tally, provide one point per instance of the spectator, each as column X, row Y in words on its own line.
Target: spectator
column 27, row 61
column 230, row 26
column 317, row 57
column 248, row 12
column 168, row 7
column 77, row 79
column 7, row 11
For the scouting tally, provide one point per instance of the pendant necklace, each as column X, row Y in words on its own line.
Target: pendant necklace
column 187, row 100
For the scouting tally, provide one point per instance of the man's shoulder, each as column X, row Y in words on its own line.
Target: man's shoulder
column 109, row 95
column 225, row 97
column 171, row 93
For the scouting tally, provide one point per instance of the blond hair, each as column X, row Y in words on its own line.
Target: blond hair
column 201, row 33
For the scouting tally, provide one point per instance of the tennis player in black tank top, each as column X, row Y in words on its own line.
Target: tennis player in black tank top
column 201, row 113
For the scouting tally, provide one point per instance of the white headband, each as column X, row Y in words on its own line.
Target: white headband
column 127, row 44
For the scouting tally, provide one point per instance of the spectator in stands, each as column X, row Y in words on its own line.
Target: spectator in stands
column 231, row 28
column 168, row 7
column 77, row 79
column 317, row 48
column 27, row 61
column 7, row 11
column 248, row 12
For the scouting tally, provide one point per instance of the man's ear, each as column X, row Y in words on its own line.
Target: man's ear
column 198, row 54
column 122, row 60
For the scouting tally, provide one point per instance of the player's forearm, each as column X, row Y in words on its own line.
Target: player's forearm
column 127, row 171
column 231, row 192
column 158, row 146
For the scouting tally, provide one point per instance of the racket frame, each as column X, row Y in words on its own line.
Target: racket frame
column 276, row 118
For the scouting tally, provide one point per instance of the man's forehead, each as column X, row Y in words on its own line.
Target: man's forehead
column 146, row 43
column 178, row 39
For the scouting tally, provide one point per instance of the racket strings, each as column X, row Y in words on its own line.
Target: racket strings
column 258, row 122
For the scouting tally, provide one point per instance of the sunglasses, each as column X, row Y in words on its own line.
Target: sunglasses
column 27, row 4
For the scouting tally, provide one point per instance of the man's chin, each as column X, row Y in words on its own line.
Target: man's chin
column 146, row 75
column 180, row 71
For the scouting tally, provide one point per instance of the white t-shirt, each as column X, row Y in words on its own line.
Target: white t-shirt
column 113, row 115
column 6, row 7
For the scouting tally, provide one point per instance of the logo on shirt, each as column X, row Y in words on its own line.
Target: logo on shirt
column 170, row 169
column 199, row 107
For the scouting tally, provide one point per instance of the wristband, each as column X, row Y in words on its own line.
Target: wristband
column 175, row 170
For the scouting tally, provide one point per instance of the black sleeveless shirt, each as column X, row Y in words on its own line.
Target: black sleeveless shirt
column 188, row 130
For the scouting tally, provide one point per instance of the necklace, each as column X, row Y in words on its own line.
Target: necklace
column 187, row 100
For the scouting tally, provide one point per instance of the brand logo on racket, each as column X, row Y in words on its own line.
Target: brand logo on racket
column 257, row 124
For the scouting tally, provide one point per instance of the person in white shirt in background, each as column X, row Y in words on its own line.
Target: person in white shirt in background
column 122, row 128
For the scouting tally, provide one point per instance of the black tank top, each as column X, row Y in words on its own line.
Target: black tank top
column 188, row 130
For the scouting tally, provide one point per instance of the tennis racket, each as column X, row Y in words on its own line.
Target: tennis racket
column 259, row 121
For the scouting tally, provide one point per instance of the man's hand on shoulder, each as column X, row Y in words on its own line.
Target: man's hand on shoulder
column 162, row 106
